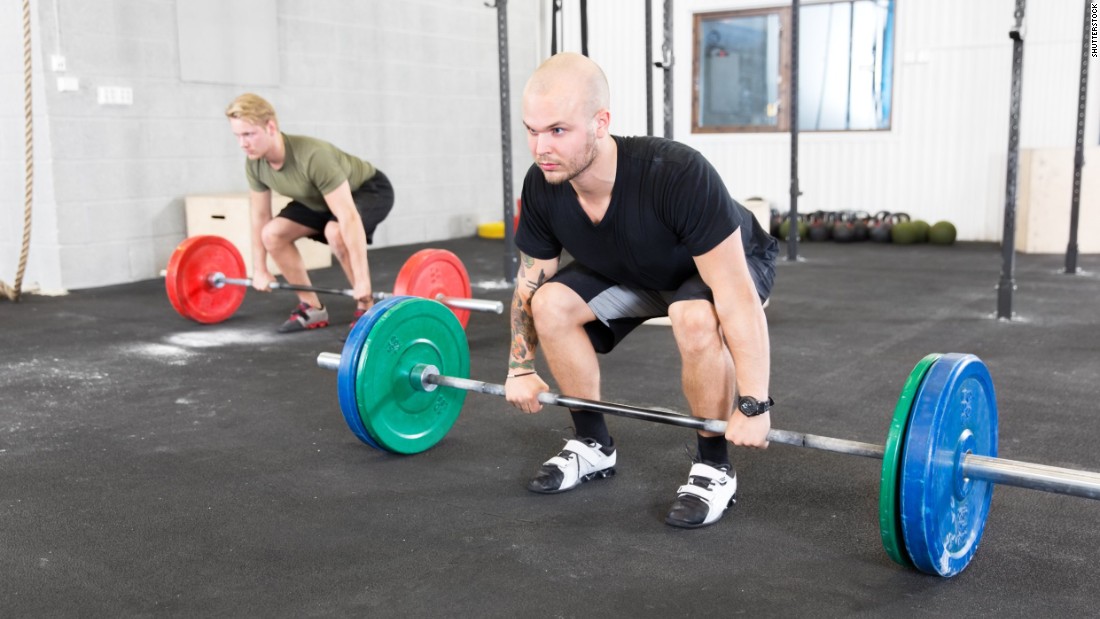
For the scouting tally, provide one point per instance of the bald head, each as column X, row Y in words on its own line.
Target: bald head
column 573, row 77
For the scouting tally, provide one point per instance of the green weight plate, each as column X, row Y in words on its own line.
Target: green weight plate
column 400, row 417
column 889, row 517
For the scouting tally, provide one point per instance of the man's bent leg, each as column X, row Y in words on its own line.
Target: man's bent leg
column 278, row 237
column 560, row 315
column 707, row 366
column 707, row 376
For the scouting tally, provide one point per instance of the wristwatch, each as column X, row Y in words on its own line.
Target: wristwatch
column 751, row 407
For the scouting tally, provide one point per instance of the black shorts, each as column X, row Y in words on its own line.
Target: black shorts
column 619, row 309
column 373, row 199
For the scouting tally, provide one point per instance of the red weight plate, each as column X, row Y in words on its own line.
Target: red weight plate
column 187, row 283
column 430, row 273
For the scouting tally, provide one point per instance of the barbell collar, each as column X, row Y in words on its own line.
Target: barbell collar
column 329, row 361
column 477, row 305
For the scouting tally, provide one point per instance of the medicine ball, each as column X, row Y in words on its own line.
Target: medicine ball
column 942, row 233
column 922, row 228
column 903, row 233
column 785, row 229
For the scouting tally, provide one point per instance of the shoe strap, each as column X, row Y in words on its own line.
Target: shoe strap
column 705, row 494
column 577, row 449
column 707, row 471
column 301, row 313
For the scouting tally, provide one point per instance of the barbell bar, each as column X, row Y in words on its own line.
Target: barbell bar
column 217, row 279
column 205, row 281
column 1085, row 484
column 939, row 460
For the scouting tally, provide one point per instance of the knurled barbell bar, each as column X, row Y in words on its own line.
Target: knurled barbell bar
column 202, row 266
column 939, row 460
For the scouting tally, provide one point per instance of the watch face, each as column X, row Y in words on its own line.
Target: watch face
column 751, row 407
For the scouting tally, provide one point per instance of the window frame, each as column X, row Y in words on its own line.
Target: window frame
column 783, row 122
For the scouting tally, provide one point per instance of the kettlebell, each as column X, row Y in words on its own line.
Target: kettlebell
column 879, row 231
column 818, row 227
column 860, row 224
column 844, row 230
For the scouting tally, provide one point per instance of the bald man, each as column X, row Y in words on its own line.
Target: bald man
column 652, row 232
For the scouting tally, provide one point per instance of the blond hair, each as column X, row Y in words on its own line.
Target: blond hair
column 252, row 108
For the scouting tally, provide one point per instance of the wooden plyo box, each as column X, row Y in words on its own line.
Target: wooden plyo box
column 1044, row 199
column 227, row 215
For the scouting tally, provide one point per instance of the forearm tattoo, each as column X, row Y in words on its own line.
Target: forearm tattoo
column 525, row 339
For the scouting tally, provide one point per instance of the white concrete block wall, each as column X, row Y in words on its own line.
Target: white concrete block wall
column 43, row 268
column 411, row 86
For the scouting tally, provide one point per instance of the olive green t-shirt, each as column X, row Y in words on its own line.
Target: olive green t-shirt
column 312, row 168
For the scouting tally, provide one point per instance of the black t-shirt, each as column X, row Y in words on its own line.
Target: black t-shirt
column 668, row 204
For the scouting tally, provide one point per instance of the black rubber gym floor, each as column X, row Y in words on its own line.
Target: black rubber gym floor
column 150, row 465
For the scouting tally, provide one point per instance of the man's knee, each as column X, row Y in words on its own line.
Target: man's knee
column 274, row 236
column 336, row 241
column 554, row 305
column 695, row 325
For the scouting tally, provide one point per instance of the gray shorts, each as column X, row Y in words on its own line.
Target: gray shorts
column 619, row 309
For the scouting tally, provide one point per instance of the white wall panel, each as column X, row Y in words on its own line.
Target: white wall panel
column 945, row 156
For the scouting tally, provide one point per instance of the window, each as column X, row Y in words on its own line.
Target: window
column 845, row 68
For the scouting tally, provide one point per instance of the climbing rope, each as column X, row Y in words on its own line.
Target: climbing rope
column 13, row 292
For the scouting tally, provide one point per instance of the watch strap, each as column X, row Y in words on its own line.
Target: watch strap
column 755, row 407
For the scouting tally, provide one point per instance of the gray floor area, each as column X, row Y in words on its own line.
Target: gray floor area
column 150, row 465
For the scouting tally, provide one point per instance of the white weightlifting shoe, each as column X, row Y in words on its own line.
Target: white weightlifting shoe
column 580, row 461
column 704, row 498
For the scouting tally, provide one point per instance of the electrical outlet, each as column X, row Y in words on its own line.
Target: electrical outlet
column 57, row 62
column 115, row 95
column 67, row 83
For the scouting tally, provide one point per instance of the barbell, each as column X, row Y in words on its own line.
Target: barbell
column 403, row 375
column 202, row 267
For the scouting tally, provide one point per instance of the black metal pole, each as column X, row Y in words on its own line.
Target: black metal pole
column 584, row 27
column 792, row 233
column 1079, row 151
column 1007, row 282
column 648, row 67
column 666, row 48
column 848, row 89
column 511, row 259
column 555, row 8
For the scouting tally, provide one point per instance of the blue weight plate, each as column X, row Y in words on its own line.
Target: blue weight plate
column 348, row 373
column 942, row 512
